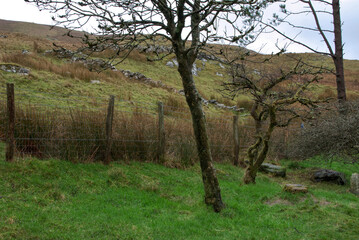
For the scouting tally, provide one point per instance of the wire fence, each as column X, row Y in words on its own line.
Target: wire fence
column 74, row 127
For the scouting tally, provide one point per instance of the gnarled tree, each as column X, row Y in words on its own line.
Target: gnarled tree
column 188, row 25
column 279, row 97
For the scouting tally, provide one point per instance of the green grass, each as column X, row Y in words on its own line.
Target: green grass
column 53, row 199
column 324, row 162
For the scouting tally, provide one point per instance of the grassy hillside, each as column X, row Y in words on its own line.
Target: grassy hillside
column 50, row 74
column 55, row 199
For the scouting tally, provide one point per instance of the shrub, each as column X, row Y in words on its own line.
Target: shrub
column 333, row 133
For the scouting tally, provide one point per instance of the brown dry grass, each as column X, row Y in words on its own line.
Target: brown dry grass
column 72, row 70
column 79, row 135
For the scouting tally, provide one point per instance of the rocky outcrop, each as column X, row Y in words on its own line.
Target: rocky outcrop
column 142, row 78
column 154, row 49
column 98, row 65
column 14, row 69
column 63, row 53
column 204, row 56
column 326, row 175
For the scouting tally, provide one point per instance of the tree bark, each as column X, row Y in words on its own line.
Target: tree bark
column 250, row 175
column 338, row 57
column 194, row 101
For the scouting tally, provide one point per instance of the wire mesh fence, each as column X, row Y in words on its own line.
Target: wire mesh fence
column 73, row 127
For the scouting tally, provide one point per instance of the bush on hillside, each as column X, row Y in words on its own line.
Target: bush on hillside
column 333, row 133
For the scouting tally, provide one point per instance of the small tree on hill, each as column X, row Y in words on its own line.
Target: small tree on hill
column 279, row 98
column 187, row 25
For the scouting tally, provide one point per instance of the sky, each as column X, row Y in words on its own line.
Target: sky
column 18, row 10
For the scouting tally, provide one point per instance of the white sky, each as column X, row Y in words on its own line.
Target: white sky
column 18, row 10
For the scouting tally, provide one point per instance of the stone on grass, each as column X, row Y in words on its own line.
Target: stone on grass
column 276, row 170
column 326, row 175
column 170, row 64
column 295, row 188
column 175, row 62
column 14, row 69
column 95, row 81
column 354, row 184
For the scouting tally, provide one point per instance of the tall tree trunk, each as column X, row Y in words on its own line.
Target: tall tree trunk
column 210, row 181
column 338, row 58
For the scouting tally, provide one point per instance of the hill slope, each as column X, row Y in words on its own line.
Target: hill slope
column 37, row 39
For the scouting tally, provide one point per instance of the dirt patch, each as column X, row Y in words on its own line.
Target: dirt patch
column 278, row 201
column 321, row 202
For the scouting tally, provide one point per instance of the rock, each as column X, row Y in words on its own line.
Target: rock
column 354, row 183
column 203, row 62
column 23, row 71
column 3, row 36
column 219, row 74
column 95, row 81
column 181, row 92
column 202, row 55
column 98, row 65
column 325, row 175
column 204, row 101
column 48, row 52
column 80, row 57
column 14, row 69
column 194, row 70
column 276, row 170
column 232, row 107
column 295, row 188
column 154, row 48
column 220, row 64
column 170, row 64
column 24, row 51
column 63, row 53
column 175, row 62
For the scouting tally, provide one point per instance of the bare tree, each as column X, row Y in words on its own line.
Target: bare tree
column 317, row 9
column 279, row 98
column 188, row 25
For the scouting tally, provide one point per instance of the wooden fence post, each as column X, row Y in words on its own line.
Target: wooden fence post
column 161, row 132
column 109, row 120
column 10, row 146
column 236, row 141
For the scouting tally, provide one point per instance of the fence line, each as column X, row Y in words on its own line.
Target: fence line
column 222, row 126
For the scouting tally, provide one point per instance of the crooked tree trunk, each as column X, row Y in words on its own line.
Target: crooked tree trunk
column 338, row 57
column 210, row 181
column 250, row 175
column 258, row 153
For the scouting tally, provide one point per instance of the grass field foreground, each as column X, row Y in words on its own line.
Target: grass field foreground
column 54, row 199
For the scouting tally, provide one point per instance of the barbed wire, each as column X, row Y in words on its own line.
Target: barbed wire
column 219, row 123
